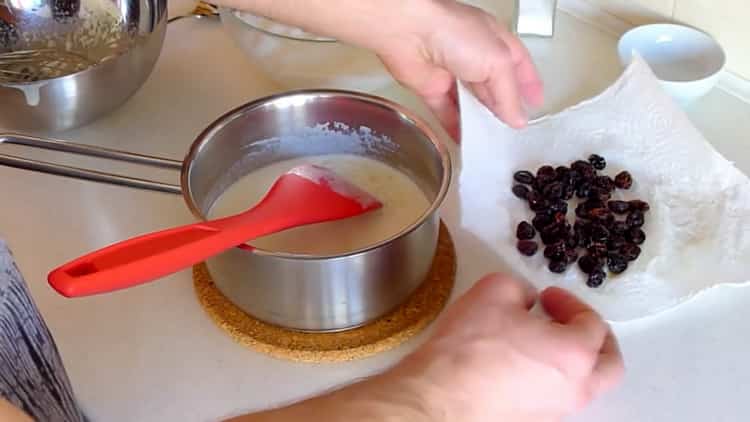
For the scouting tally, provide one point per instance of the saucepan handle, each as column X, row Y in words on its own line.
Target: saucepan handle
column 90, row 151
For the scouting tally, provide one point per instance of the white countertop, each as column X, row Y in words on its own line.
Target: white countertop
column 151, row 354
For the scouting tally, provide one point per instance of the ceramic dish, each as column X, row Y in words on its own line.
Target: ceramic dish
column 688, row 62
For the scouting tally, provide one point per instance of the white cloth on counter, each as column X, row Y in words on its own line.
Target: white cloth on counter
column 32, row 376
column 698, row 229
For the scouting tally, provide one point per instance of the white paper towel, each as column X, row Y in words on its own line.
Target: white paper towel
column 699, row 225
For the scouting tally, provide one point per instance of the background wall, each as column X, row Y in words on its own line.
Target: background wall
column 726, row 20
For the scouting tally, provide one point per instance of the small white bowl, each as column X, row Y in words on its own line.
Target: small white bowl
column 688, row 62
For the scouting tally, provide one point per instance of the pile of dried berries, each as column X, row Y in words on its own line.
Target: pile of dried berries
column 608, row 231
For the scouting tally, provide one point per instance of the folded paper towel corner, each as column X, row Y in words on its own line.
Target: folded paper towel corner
column 698, row 228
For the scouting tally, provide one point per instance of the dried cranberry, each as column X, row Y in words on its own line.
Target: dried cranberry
column 617, row 263
column 558, row 206
column 582, row 234
column 598, row 250
column 616, row 242
column 521, row 191
column 574, row 178
column 562, row 173
column 539, row 205
column 559, row 218
column 533, row 195
column 571, row 241
column 527, row 247
column 571, row 255
column 550, row 235
column 630, row 251
column 580, row 226
column 555, row 250
column 636, row 236
column 554, row 230
column 589, row 264
column 623, row 180
column 553, row 191
column 585, row 169
column 583, row 190
column 536, row 201
column 557, row 267
column 574, row 240
column 605, row 182
column 545, row 175
column 596, row 278
column 620, row 228
column 524, row 177
column 547, row 211
column 599, row 233
column 635, row 219
column 568, row 192
column 619, row 207
column 639, row 205
column 591, row 204
column 599, row 194
column 525, row 231
column 599, row 214
column 582, row 211
column 541, row 221
column 597, row 161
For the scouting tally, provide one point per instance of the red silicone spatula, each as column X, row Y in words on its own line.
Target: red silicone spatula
column 305, row 195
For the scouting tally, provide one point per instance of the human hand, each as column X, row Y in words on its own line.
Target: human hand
column 449, row 41
column 426, row 45
column 491, row 360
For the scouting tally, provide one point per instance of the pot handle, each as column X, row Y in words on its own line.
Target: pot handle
column 90, row 151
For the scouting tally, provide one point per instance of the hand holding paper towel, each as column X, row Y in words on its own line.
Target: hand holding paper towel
column 699, row 225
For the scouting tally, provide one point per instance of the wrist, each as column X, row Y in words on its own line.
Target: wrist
column 395, row 396
column 388, row 397
column 412, row 384
column 404, row 23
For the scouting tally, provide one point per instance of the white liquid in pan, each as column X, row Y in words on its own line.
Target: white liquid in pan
column 403, row 204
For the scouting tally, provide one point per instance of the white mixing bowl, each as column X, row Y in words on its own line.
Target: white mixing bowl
column 688, row 62
column 296, row 59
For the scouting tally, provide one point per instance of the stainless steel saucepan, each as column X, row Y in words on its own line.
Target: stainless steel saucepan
column 309, row 293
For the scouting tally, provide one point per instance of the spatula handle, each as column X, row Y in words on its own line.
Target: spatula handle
column 146, row 258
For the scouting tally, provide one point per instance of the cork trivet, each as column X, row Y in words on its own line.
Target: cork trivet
column 421, row 308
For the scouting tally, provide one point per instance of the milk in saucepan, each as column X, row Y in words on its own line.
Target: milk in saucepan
column 403, row 204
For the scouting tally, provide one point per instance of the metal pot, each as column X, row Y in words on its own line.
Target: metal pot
column 310, row 293
column 116, row 44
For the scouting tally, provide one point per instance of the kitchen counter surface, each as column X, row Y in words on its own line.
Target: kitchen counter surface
column 151, row 354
